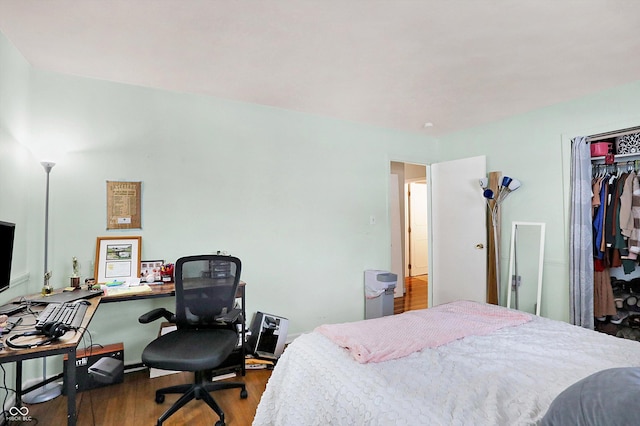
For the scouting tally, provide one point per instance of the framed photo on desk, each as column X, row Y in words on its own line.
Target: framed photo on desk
column 117, row 258
column 153, row 268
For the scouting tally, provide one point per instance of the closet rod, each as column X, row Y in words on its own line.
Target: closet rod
column 619, row 163
column 607, row 135
column 619, row 159
column 596, row 169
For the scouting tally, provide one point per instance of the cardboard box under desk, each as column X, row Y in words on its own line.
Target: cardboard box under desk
column 93, row 358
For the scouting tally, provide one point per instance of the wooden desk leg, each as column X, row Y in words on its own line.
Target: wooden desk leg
column 18, row 383
column 71, row 387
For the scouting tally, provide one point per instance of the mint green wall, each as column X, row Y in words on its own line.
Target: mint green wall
column 290, row 194
column 535, row 148
column 17, row 201
column 15, row 160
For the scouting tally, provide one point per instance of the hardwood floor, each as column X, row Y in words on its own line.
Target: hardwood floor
column 132, row 403
column 415, row 296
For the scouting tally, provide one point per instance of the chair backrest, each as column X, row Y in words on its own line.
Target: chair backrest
column 205, row 288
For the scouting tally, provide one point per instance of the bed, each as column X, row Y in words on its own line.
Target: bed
column 501, row 375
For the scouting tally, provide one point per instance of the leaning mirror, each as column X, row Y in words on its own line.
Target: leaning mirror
column 525, row 266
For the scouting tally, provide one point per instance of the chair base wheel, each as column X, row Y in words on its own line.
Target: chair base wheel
column 159, row 399
column 220, row 423
column 244, row 394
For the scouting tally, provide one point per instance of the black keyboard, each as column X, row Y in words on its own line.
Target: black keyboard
column 70, row 314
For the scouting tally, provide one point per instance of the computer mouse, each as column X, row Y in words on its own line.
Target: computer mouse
column 82, row 302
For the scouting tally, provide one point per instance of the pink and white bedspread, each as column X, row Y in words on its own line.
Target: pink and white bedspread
column 396, row 336
column 505, row 377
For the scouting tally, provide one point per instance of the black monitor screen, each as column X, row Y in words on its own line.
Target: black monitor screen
column 7, row 234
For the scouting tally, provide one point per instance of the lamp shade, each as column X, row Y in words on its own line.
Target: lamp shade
column 514, row 184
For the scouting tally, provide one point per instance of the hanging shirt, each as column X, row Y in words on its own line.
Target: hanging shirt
column 626, row 218
column 634, row 240
column 598, row 220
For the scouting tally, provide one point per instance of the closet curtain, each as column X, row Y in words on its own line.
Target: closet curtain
column 580, row 242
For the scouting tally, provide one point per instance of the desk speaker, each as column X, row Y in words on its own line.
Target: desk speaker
column 268, row 335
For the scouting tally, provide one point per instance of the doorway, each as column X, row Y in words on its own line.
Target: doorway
column 410, row 251
column 456, row 231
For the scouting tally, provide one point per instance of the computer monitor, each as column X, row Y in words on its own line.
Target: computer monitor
column 7, row 235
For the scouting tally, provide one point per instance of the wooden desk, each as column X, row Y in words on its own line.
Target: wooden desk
column 157, row 290
column 67, row 344
column 162, row 290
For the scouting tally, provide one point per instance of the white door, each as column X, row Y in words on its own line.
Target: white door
column 418, row 254
column 458, row 232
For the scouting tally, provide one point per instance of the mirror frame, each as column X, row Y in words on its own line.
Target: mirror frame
column 514, row 229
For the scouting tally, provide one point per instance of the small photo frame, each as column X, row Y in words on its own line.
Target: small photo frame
column 151, row 268
column 117, row 259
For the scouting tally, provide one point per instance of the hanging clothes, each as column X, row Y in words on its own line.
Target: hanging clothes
column 634, row 239
column 616, row 242
column 626, row 224
column 613, row 227
column 603, row 302
column 598, row 201
column 612, row 219
column 626, row 198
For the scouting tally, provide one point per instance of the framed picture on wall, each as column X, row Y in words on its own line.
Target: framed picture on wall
column 124, row 205
column 117, row 259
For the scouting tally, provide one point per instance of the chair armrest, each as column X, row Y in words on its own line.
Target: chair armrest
column 156, row 314
column 230, row 317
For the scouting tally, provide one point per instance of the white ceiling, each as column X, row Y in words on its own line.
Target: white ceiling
column 396, row 64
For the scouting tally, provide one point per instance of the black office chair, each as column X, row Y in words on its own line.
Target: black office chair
column 206, row 329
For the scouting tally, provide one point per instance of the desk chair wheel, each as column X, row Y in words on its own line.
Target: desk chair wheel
column 220, row 423
column 244, row 394
column 159, row 398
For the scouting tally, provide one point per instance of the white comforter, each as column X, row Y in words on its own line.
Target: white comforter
column 508, row 377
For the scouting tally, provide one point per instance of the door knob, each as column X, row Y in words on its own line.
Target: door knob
column 480, row 246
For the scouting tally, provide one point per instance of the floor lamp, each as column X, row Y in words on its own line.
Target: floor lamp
column 49, row 390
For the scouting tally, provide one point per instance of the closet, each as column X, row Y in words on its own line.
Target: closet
column 615, row 165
